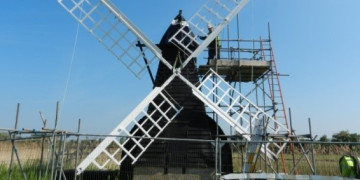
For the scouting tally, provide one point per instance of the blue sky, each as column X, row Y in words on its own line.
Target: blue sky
column 316, row 42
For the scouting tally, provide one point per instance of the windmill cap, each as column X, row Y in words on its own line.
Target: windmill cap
column 179, row 17
column 179, row 20
column 209, row 26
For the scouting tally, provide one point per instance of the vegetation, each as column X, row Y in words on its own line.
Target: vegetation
column 345, row 136
column 324, row 138
column 326, row 155
column 30, row 170
column 342, row 136
column 4, row 136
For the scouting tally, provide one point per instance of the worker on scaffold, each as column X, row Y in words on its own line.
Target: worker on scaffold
column 214, row 46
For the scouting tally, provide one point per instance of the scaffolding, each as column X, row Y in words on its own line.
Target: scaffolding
column 250, row 67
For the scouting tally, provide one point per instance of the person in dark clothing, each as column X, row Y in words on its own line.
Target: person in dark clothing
column 213, row 47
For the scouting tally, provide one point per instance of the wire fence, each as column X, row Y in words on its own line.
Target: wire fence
column 55, row 156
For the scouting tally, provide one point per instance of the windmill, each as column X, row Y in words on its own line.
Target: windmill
column 161, row 108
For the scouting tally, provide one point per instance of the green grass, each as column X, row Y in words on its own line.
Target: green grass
column 30, row 171
column 30, row 168
column 326, row 165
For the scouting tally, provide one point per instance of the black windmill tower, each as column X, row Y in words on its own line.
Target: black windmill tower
column 171, row 109
column 180, row 157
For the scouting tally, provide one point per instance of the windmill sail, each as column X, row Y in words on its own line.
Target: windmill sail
column 116, row 32
column 162, row 111
column 240, row 113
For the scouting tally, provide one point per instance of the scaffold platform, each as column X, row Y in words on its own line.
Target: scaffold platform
column 243, row 70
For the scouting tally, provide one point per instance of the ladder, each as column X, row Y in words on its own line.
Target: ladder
column 275, row 92
column 274, row 84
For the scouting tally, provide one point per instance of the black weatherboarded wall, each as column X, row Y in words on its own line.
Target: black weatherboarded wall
column 180, row 157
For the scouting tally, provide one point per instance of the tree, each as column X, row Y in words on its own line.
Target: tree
column 324, row 138
column 345, row 136
column 4, row 136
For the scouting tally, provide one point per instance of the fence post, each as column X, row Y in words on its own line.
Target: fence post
column 42, row 147
column 14, row 150
column 77, row 148
column 54, row 141
column 312, row 148
column 292, row 149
